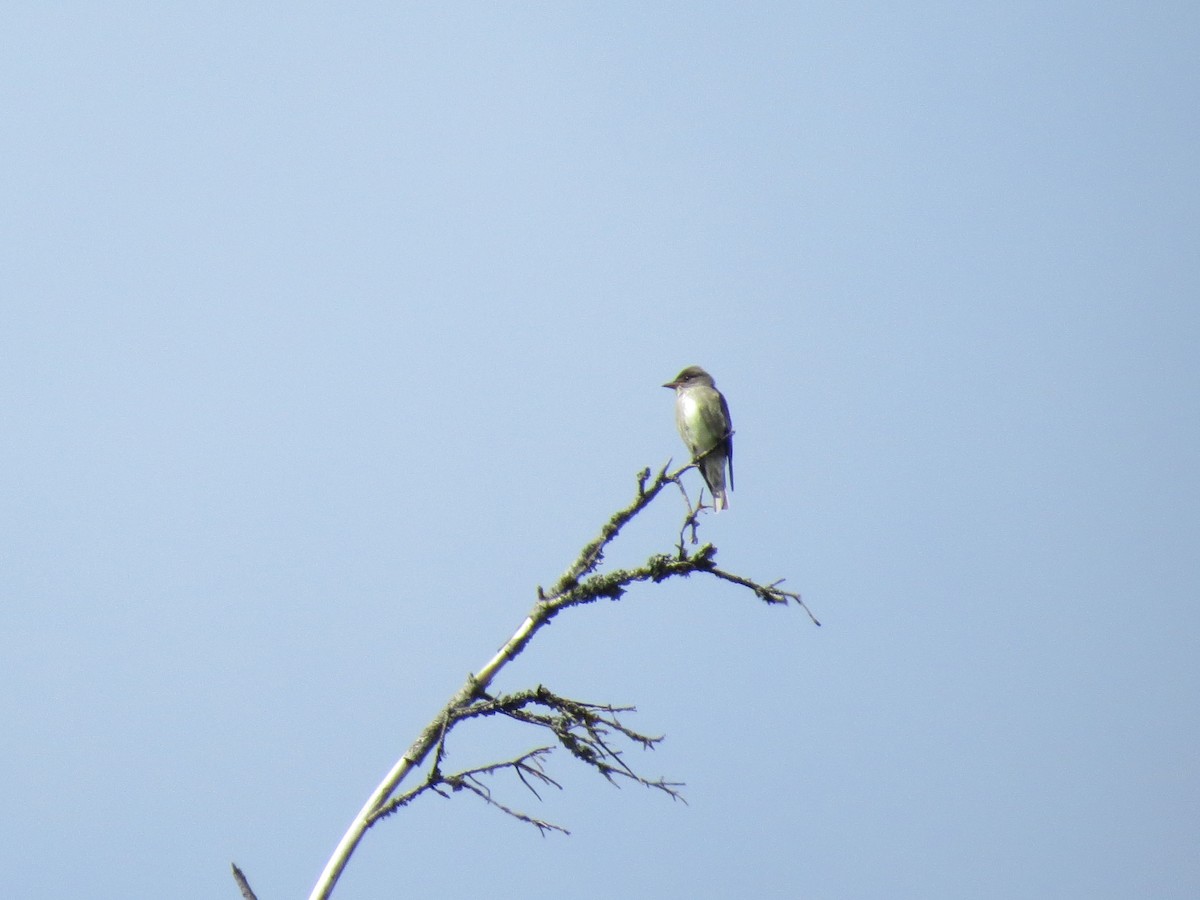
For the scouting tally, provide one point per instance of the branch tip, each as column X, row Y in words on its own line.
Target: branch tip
column 243, row 885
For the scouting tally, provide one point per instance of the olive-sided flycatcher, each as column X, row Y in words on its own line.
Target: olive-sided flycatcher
column 702, row 416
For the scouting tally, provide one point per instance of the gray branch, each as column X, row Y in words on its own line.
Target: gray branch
column 591, row 733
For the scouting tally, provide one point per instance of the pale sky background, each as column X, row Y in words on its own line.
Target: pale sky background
column 328, row 332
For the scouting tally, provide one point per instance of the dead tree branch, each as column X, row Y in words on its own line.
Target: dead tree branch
column 591, row 733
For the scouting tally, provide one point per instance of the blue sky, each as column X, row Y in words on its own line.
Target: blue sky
column 329, row 332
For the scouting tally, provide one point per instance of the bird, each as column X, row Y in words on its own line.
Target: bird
column 702, row 416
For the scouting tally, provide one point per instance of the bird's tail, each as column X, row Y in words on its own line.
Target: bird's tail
column 712, row 467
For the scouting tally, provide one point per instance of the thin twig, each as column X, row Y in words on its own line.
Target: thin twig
column 771, row 593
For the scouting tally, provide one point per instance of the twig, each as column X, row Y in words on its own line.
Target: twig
column 527, row 766
column 771, row 593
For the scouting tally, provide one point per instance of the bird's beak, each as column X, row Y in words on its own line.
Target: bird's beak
column 671, row 384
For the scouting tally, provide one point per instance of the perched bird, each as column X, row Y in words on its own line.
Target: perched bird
column 702, row 416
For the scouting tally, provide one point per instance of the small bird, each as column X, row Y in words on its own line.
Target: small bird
column 702, row 416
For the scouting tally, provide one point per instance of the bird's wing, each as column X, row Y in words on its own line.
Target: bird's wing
column 728, row 437
column 717, row 422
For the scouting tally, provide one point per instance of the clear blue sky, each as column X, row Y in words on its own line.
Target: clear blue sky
column 330, row 331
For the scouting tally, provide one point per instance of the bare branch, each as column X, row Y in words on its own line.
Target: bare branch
column 472, row 784
column 593, row 553
column 771, row 593
column 585, row 730
column 527, row 766
column 691, row 521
